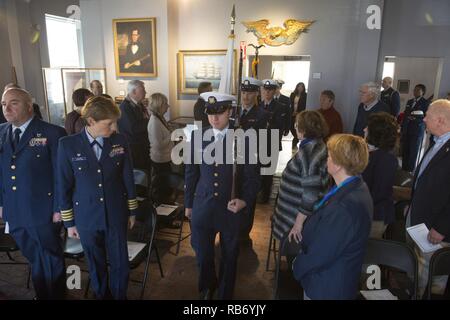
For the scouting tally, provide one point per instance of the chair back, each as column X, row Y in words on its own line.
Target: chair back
column 394, row 254
column 439, row 266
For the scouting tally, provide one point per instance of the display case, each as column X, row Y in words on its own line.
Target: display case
column 59, row 84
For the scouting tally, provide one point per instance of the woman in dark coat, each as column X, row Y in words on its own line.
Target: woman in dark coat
column 334, row 238
column 382, row 133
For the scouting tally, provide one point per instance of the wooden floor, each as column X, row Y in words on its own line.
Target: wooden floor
column 180, row 271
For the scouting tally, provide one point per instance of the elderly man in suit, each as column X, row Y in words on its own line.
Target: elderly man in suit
column 28, row 149
column 430, row 200
column 210, row 202
column 133, row 124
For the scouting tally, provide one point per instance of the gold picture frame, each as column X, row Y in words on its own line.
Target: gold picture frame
column 135, row 47
column 195, row 66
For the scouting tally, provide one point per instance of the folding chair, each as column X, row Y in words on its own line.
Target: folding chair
column 146, row 241
column 142, row 184
column 439, row 266
column 175, row 187
column 272, row 247
column 395, row 255
column 140, row 248
column 284, row 279
column 8, row 246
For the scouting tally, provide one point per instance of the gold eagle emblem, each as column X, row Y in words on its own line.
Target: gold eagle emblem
column 277, row 36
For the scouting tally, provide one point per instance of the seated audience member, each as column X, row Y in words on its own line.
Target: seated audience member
column 96, row 87
column 36, row 109
column 430, row 202
column 199, row 107
column 334, row 238
column 74, row 123
column 305, row 178
column 382, row 132
column 369, row 93
column 330, row 114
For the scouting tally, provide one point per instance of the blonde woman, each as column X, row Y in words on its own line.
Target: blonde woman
column 334, row 238
column 159, row 134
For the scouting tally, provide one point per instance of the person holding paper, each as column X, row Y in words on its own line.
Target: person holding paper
column 430, row 196
column 334, row 238
column 97, row 195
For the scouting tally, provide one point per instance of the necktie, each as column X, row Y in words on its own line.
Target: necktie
column 266, row 106
column 244, row 113
column 16, row 140
column 98, row 150
column 219, row 136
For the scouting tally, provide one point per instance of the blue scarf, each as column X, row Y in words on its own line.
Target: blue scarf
column 333, row 191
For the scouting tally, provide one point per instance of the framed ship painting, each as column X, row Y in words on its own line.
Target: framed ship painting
column 199, row 66
column 135, row 47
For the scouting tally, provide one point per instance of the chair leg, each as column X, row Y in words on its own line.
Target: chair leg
column 29, row 277
column 179, row 236
column 159, row 261
column 9, row 256
column 86, row 292
column 144, row 281
column 274, row 248
column 268, row 251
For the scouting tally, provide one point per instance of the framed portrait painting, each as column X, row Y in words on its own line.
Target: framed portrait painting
column 199, row 66
column 135, row 47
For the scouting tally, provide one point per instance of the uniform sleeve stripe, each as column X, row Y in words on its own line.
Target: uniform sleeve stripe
column 66, row 211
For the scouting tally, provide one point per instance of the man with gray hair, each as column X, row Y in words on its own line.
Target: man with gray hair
column 370, row 103
column 133, row 124
column 430, row 198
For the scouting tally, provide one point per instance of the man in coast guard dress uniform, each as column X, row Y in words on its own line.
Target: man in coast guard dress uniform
column 210, row 205
column 97, row 195
column 28, row 148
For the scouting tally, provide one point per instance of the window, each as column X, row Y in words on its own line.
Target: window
column 64, row 42
column 291, row 72
column 388, row 69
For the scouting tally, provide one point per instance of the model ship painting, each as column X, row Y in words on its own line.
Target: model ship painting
column 208, row 71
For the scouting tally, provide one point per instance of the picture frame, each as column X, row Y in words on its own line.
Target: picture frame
column 135, row 52
column 403, row 86
column 195, row 66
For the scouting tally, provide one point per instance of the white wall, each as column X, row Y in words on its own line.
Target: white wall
column 418, row 28
column 340, row 45
column 417, row 70
column 98, row 43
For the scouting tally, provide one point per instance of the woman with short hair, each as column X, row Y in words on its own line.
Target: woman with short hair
column 305, row 178
column 97, row 195
column 381, row 136
column 334, row 238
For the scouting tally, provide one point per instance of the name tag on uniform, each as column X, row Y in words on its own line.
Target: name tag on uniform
column 38, row 142
column 79, row 158
column 116, row 150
